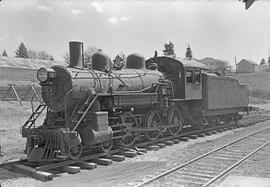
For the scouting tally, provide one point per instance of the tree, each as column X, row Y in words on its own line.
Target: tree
column 269, row 63
column 262, row 61
column 169, row 49
column 22, row 51
column 52, row 59
column 4, row 53
column 40, row 55
column 89, row 52
column 66, row 57
column 189, row 53
column 222, row 67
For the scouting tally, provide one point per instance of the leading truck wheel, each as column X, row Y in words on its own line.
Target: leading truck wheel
column 176, row 120
column 75, row 151
column 106, row 146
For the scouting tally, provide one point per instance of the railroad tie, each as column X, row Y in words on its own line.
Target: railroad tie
column 40, row 175
column 193, row 136
column 103, row 161
column 153, row 148
column 130, row 154
column 117, row 158
column 70, row 169
column 161, row 145
column 87, row 165
column 169, row 143
column 183, row 139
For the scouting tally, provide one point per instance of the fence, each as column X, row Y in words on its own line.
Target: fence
column 20, row 93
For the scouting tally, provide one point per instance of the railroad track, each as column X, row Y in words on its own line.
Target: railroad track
column 42, row 171
column 212, row 166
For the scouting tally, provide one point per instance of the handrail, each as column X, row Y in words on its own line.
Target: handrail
column 118, row 77
column 84, row 114
column 97, row 77
column 32, row 105
column 65, row 105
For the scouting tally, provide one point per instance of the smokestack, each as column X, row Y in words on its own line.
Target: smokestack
column 76, row 54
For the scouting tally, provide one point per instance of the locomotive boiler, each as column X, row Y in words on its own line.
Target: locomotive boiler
column 100, row 108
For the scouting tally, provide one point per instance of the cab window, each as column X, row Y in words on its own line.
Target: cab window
column 197, row 77
column 189, row 76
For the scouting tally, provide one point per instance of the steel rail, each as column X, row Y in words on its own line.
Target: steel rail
column 119, row 149
column 140, row 144
column 195, row 159
column 183, row 134
column 234, row 165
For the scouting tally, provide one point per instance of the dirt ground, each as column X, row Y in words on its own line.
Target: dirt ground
column 125, row 173
column 12, row 117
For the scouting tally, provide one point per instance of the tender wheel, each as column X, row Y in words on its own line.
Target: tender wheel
column 129, row 122
column 175, row 119
column 106, row 146
column 75, row 151
column 152, row 119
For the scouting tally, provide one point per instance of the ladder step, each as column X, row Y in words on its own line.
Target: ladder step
column 80, row 112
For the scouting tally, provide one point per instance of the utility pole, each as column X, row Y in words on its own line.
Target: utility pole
column 235, row 65
column 268, row 61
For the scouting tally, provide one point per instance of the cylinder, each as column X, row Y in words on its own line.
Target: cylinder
column 76, row 54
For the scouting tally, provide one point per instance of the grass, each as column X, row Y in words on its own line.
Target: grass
column 258, row 84
column 12, row 117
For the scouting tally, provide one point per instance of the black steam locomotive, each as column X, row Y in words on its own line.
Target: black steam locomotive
column 101, row 107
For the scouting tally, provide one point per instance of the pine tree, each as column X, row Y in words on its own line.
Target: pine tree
column 262, row 61
column 22, row 51
column 4, row 53
column 189, row 53
column 52, row 59
column 169, row 49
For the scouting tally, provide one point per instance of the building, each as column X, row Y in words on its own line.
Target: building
column 247, row 66
column 264, row 68
column 215, row 65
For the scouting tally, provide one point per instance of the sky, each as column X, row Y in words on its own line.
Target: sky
column 221, row 29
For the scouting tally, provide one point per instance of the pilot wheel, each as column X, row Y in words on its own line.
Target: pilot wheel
column 75, row 151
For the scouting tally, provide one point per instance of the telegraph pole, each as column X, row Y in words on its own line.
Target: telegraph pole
column 235, row 65
column 268, row 61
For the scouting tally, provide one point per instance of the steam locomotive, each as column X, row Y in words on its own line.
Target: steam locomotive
column 100, row 107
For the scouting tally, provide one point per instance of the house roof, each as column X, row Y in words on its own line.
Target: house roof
column 209, row 60
column 249, row 61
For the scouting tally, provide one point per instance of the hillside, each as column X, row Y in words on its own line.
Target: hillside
column 209, row 60
column 21, row 71
column 258, row 84
column 26, row 63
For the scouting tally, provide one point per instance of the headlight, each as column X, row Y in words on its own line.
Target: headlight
column 45, row 74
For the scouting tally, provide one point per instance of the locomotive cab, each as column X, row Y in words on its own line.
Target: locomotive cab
column 185, row 75
column 193, row 78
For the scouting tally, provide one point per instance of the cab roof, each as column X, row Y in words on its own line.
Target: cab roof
column 192, row 63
